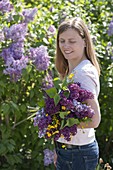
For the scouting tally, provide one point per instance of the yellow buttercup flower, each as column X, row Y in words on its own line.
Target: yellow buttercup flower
column 63, row 108
column 63, row 146
column 71, row 76
column 68, row 112
column 55, row 132
column 48, row 134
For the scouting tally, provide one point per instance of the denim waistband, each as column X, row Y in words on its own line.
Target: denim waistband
column 68, row 146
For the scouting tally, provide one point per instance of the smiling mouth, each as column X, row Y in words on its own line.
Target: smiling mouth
column 68, row 52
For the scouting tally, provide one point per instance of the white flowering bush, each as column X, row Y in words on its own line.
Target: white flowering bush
column 27, row 51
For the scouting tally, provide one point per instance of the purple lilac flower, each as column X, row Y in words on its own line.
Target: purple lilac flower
column 5, row 6
column 16, row 32
column 14, row 60
column 68, row 131
column 44, row 122
column 14, row 52
column 84, row 111
column 52, row 29
column 29, row 14
column 84, row 95
column 14, row 68
column 74, row 90
column 51, row 9
column 40, row 57
column 57, row 136
column 50, row 107
column 48, row 157
column 110, row 30
column 67, row 103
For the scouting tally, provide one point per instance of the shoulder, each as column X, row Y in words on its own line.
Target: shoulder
column 86, row 74
column 87, row 69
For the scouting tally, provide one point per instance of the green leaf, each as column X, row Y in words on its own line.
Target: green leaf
column 3, row 149
column 66, row 93
column 57, row 82
column 29, row 68
column 5, row 107
column 56, row 99
column 41, row 103
column 62, row 124
column 51, row 92
column 15, row 106
column 63, row 114
column 64, row 84
column 71, row 122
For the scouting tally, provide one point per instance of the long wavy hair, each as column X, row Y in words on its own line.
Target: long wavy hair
column 77, row 24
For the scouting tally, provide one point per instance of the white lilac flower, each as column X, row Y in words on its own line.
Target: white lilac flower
column 47, row 82
column 1, row 36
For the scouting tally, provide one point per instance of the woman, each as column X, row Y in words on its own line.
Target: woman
column 75, row 54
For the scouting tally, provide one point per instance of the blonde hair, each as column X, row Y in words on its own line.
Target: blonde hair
column 78, row 25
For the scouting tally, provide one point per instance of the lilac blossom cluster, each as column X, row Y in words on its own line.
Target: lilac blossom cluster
column 5, row 6
column 16, row 32
column 54, row 121
column 110, row 30
column 51, row 30
column 48, row 157
column 14, row 60
column 40, row 57
column 29, row 14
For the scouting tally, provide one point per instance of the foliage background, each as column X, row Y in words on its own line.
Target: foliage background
column 20, row 147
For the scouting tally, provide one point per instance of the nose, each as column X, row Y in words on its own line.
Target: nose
column 66, row 45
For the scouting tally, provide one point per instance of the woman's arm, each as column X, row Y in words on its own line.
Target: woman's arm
column 96, row 117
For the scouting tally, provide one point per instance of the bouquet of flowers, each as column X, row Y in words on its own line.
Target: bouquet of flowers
column 63, row 110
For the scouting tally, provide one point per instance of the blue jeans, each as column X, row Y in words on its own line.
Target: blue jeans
column 83, row 157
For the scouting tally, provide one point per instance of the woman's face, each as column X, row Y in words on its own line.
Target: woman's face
column 72, row 45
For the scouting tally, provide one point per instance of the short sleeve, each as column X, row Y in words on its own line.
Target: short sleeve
column 88, row 77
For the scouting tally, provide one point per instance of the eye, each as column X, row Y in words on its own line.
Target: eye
column 61, row 41
column 72, row 41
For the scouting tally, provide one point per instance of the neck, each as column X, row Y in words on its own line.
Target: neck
column 72, row 64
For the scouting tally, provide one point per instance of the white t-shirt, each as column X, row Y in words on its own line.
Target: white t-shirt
column 86, row 74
